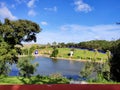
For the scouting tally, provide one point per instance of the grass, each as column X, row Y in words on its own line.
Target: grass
column 44, row 80
column 33, row 80
column 78, row 54
column 10, row 80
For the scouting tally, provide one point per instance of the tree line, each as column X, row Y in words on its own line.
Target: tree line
column 102, row 45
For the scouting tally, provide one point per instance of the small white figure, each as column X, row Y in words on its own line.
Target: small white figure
column 71, row 53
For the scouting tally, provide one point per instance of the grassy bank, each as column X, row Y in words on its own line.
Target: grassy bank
column 78, row 54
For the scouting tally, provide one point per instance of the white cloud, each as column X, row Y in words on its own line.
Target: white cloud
column 80, row 6
column 5, row 12
column 98, row 31
column 31, row 3
column 74, row 27
column 78, row 33
column 44, row 23
column 32, row 13
column 51, row 9
column 48, row 36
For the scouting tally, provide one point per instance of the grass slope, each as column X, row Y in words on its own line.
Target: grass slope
column 78, row 54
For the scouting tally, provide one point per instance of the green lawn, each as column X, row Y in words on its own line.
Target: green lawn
column 10, row 80
column 33, row 80
column 78, row 54
column 44, row 80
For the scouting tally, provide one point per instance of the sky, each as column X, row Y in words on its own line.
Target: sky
column 67, row 20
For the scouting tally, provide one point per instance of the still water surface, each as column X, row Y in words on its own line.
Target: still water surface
column 48, row 66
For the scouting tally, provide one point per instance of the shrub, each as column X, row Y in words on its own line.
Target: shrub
column 54, row 53
column 26, row 67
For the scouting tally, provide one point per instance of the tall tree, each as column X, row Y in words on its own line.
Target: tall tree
column 13, row 33
column 115, row 61
column 4, row 57
column 115, row 64
column 16, row 32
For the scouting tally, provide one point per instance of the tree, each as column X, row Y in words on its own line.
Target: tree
column 33, row 48
column 115, row 61
column 4, row 56
column 48, row 45
column 25, row 51
column 13, row 33
column 26, row 67
column 115, row 64
column 108, row 54
column 61, row 45
column 54, row 44
column 16, row 32
column 87, row 70
column 54, row 53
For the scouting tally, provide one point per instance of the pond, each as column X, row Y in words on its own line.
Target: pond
column 49, row 66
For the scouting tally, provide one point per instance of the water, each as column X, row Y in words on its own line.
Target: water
column 14, row 70
column 65, row 67
column 49, row 66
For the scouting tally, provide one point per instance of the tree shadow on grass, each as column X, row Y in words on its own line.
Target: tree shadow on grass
column 43, row 80
column 33, row 80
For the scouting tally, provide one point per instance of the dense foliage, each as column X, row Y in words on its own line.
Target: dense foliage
column 27, row 68
column 91, row 45
column 95, row 44
column 109, row 70
column 115, row 64
column 4, row 56
column 55, row 52
column 13, row 33
column 29, row 50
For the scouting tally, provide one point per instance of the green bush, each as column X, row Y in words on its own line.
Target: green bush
column 26, row 67
column 54, row 53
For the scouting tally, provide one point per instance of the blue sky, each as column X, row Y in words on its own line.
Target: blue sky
column 67, row 20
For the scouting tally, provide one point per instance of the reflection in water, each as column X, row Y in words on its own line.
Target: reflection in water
column 71, row 62
column 54, row 60
column 48, row 66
